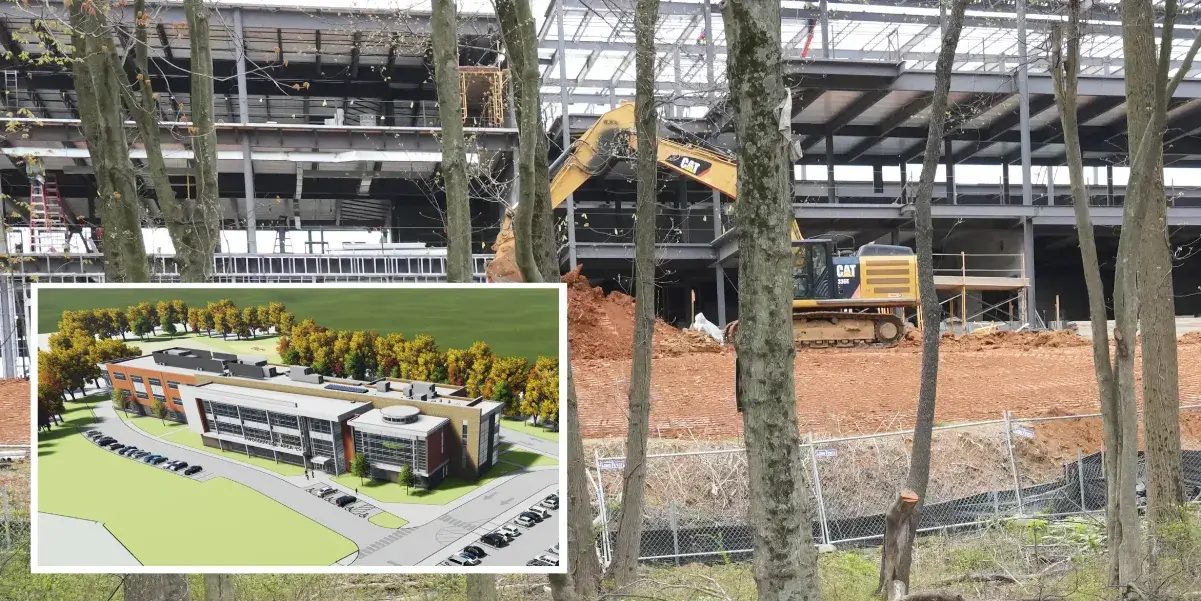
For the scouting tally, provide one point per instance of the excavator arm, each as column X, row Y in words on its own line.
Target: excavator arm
column 609, row 140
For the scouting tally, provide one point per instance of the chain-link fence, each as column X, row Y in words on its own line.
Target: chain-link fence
column 697, row 495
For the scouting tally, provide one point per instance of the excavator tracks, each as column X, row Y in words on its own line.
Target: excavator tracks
column 824, row 329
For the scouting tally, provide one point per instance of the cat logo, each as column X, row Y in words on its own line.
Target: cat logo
column 696, row 167
column 845, row 271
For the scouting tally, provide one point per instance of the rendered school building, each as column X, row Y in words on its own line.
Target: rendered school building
column 292, row 415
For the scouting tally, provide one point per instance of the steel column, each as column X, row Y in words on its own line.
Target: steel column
column 719, row 272
column 824, row 10
column 1109, row 184
column 1024, row 103
column 565, row 130
column 244, row 115
column 831, row 190
column 949, row 160
column 1028, row 257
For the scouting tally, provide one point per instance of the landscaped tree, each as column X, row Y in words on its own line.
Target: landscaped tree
column 541, row 396
column 456, row 366
column 341, row 348
column 479, row 361
column 151, row 312
column 140, row 320
column 359, row 466
column 360, row 356
column 506, row 379
column 121, row 399
column 263, row 318
column 250, row 320
column 180, row 309
column 231, row 321
column 430, row 362
column 110, row 349
column 286, row 321
column 116, row 322
column 405, row 477
column 167, row 317
column 204, row 320
column 385, row 354
column 160, row 410
column 274, row 312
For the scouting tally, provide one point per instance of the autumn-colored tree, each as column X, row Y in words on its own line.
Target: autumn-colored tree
column 166, row 316
column 506, row 379
column 233, row 322
column 341, row 347
column 116, row 322
column 219, row 321
column 52, row 377
column 151, row 312
column 541, row 396
column 480, row 358
column 426, row 362
column 286, row 321
column 204, row 320
column 180, row 309
column 275, row 312
column 263, row 317
column 111, row 349
column 250, row 320
column 456, row 366
column 360, row 356
column 140, row 320
column 385, row 354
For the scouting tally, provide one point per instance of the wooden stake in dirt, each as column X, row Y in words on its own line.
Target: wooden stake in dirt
column 898, row 530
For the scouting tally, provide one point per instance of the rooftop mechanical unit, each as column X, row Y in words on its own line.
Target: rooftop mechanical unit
column 345, row 388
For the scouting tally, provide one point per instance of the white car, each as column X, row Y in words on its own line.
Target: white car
column 509, row 531
column 524, row 521
column 554, row 550
column 540, row 511
column 464, row 559
column 553, row 560
column 323, row 492
column 549, row 504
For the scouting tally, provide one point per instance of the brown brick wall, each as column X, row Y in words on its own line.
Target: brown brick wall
column 148, row 402
column 14, row 411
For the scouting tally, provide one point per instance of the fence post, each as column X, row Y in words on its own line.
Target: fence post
column 604, row 511
column 1080, row 475
column 675, row 532
column 1013, row 462
column 8, row 541
column 817, row 491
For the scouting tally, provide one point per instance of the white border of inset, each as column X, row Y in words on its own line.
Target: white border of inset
column 32, row 339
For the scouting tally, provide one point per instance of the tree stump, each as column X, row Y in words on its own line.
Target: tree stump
column 900, row 525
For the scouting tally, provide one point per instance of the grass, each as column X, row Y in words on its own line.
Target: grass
column 150, row 425
column 451, row 488
column 146, row 509
column 513, row 321
column 528, row 458
column 525, row 428
column 387, row 520
column 188, row 438
column 261, row 345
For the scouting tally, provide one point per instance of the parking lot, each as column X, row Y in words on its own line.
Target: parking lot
column 533, row 541
column 331, row 495
column 166, row 464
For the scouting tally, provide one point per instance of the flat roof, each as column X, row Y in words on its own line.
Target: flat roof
column 281, row 402
column 373, row 421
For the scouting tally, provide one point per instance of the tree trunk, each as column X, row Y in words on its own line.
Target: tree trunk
column 480, row 587
column 97, row 87
column 919, row 461
column 781, row 516
column 584, row 566
column 219, row 587
column 900, row 526
column 207, row 216
column 454, row 151
column 156, row 587
column 517, row 29
column 646, row 170
column 560, row 587
column 192, row 234
column 1065, row 70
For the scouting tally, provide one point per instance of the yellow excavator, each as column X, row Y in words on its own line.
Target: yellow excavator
column 838, row 300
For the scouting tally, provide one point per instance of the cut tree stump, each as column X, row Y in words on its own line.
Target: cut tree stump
column 900, row 525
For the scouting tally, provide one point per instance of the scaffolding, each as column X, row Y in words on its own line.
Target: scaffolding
column 982, row 298
column 47, row 223
column 489, row 85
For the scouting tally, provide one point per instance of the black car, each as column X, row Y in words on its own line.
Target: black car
column 345, row 500
column 127, row 451
column 116, row 446
column 192, row 470
column 533, row 517
column 493, row 539
column 179, row 466
column 537, row 563
column 474, row 551
column 107, row 440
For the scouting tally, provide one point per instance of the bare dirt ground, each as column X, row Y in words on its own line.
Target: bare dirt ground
column 839, row 391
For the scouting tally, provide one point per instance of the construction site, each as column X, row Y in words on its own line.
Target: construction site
column 330, row 161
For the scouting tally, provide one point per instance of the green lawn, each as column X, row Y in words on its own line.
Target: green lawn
column 387, row 520
column 528, row 458
column 150, row 510
column 525, row 428
column 512, row 321
column 150, row 425
column 451, row 488
column 189, row 438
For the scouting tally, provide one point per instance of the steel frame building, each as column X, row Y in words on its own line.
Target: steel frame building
column 860, row 75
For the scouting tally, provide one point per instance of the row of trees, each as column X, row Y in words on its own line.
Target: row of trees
column 146, row 319
column 71, row 362
column 524, row 389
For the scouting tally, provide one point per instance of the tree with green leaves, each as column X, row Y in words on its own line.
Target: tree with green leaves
column 139, row 320
column 121, row 400
column 359, row 466
column 167, row 317
column 506, row 378
column 159, row 408
column 250, row 319
column 405, row 477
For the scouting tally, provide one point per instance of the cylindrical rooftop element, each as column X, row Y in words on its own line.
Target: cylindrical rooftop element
column 400, row 414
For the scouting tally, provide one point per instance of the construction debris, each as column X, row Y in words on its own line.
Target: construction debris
column 601, row 326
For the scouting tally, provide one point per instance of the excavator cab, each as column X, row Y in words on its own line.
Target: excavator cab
column 813, row 276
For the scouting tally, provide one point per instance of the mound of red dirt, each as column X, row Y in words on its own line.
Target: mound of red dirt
column 1018, row 340
column 601, row 326
column 1190, row 338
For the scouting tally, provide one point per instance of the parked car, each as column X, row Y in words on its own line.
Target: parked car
column 116, row 446
column 493, row 539
column 474, row 551
column 531, row 516
column 140, row 454
column 94, row 434
column 105, row 441
column 524, row 521
column 345, row 500
column 179, row 466
column 550, row 502
column 158, row 461
column 510, row 531
column 539, row 511
column 192, row 470
column 537, row 563
column 463, row 559
column 324, row 491
column 127, row 451
column 149, row 458
column 554, row 561
column 554, row 550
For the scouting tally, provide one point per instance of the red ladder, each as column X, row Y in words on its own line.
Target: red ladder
column 47, row 224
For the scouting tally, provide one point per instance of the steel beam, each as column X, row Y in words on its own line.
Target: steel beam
column 1003, row 125
column 889, row 124
column 239, row 41
column 845, row 116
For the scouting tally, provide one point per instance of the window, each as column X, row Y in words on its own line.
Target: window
column 320, row 425
column 174, row 385
column 177, row 402
column 141, row 395
column 137, row 379
column 229, row 429
column 284, row 421
column 257, row 435
column 256, row 415
column 159, row 397
column 208, row 409
column 225, row 410
column 212, row 425
column 156, row 382
column 464, row 461
column 391, row 450
column 118, row 375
